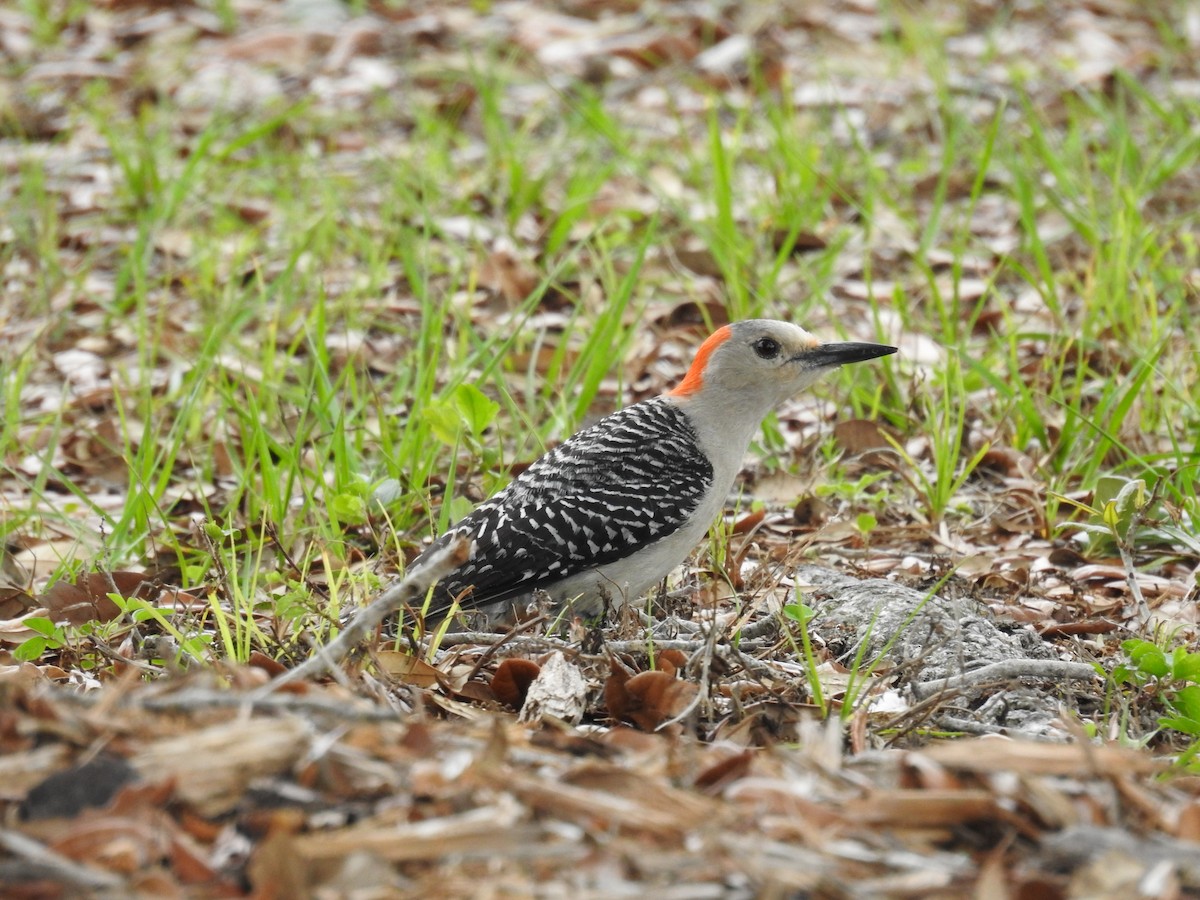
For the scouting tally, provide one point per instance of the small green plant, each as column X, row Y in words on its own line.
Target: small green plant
column 1116, row 504
column 859, row 680
column 861, row 676
column 1168, row 678
column 462, row 417
column 466, row 412
column 49, row 637
column 1123, row 515
column 866, row 523
column 802, row 615
column 194, row 647
column 870, row 487
column 947, row 418
column 1126, row 512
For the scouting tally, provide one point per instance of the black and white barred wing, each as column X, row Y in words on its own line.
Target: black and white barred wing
column 609, row 491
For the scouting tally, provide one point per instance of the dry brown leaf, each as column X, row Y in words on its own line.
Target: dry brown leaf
column 609, row 803
column 1008, row 461
column 119, row 844
column 648, row 699
column 408, row 668
column 1040, row 758
column 260, row 660
column 810, row 512
column 508, row 275
column 925, row 808
column 15, row 631
column 749, row 522
column 14, row 602
column 805, row 242
column 211, row 767
column 511, row 682
column 86, row 600
column 696, row 255
column 718, row 776
column 857, row 436
column 671, row 660
column 1188, row 826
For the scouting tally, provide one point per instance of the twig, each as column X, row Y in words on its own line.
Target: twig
column 509, row 638
column 195, row 699
column 1143, row 608
column 763, row 627
column 1004, row 671
column 55, row 865
column 966, row 726
column 414, row 585
column 683, row 646
column 707, row 652
column 737, row 656
column 491, row 638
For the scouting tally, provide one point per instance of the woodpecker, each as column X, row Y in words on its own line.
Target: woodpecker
column 608, row 513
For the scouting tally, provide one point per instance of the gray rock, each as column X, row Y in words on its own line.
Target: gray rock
column 925, row 639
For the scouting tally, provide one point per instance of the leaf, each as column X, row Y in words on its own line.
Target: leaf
column 1185, row 666
column 1181, row 723
column 1189, row 541
column 798, row 612
column 866, row 523
column 443, row 420
column 1147, row 657
column 648, row 699
column 475, row 408
column 348, row 507
column 511, row 682
column 1186, row 701
column 1108, row 488
column 41, row 625
column 87, row 599
column 1120, row 499
column 31, row 649
column 1132, row 497
column 409, row 669
column 1112, row 518
column 671, row 661
column 857, row 436
column 460, row 507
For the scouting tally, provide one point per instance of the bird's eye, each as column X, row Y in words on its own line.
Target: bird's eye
column 766, row 348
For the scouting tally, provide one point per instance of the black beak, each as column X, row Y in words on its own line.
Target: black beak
column 825, row 356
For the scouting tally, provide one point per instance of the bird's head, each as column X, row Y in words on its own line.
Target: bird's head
column 765, row 361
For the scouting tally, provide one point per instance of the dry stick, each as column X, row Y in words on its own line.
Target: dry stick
column 684, row 646
column 509, row 638
column 762, row 628
column 966, row 726
column 549, row 642
column 708, row 648
column 442, row 562
column 54, row 865
column 1003, row 671
column 1143, row 608
column 456, row 638
column 196, row 699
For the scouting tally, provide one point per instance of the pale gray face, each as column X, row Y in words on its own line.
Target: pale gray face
column 778, row 357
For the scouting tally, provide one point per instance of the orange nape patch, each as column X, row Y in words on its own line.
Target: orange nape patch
column 694, row 379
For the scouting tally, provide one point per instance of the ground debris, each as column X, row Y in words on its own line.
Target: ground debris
column 218, row 227
column 327, row 799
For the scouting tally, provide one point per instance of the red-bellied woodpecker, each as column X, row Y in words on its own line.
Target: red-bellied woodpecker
column 611, row 511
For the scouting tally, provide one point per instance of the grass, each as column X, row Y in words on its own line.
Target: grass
column 300, row 350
